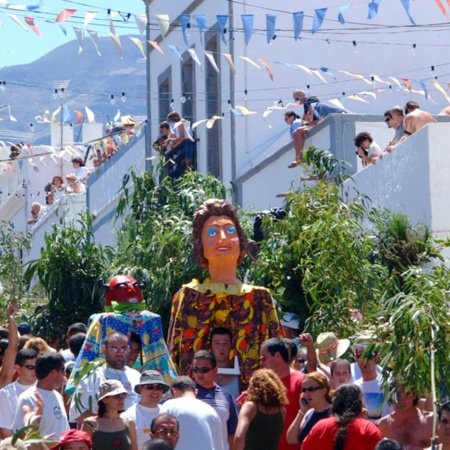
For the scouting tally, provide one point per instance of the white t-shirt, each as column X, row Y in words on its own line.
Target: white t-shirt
column 142, row 417
column 374, row 149
column 54, row 418
column 200, row 426
column 88, row 388
column 374, row 398
column 8, row 401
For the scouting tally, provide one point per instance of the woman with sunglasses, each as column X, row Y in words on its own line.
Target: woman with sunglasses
column 315, row 405
column 108, row 429
column 263, row 410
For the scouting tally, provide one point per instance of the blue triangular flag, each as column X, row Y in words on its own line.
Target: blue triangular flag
column 184, row 20
column 405, row 4
column 373, row 8
column 298, row 23
column 319, row 15
column 422, row 84
column 270, row 23
column 67, row 118
column 341, row 10
column 222, row 21
column 247, row 23
column 201, row 22
column 177, row 52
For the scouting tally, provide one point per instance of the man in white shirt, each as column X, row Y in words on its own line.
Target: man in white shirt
column 116, row 350
column 151, row 389
column 25, row 368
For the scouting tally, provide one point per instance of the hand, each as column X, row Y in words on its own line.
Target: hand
column 306, row 340
column 12, row 309
column 304, row 406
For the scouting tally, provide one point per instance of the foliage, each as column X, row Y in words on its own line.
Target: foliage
column 155, row 240
column 69, row 267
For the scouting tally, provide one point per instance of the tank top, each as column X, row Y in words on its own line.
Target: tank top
column 108, row 440
column 264, row 431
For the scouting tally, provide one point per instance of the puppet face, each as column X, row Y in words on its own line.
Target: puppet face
column 123, row 289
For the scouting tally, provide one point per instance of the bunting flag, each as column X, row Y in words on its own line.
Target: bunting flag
column 65, row 14
column 210, row 57
column 358, row 76
column 117, row 44
column 378, row 79
column 318, row 75
column 372, row 94
column 16, row 7
column 222, row 21
column 194, row 56
column 305, row 69
column 210, row 123
column 438, row 86
column 201, row 22
column 156, row 46
column 196, row 124
column 319, row 16
column 11, row 117
column 342, row 8
column 67, row 117
column 326, row 71
column 90, row 115
column 184, row 20
column 63, row 29
column 112, row 30
column 175, row 49
column 15, row 18
column 395, row 80
column 336, row 102
column 117, row 116
column 247, row 59
column 356, row 97
column 407, row 83
column 139, row 45
column 94, row 37
column 236, row 112
column 245, row 111
column 79, row 34
column 442, row 8
column 164, row 23
column 30, row 22
column 141, row 22
column 89, row 17
column 405, row 4
column 298, row 23
column 264, row 63
column 229, row 60
column 422, row 85
column 79, row 119
column 270, row 25
column 247, row 24
column 373, row 8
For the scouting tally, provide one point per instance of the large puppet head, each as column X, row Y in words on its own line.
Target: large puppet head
column 123, row 289
column 215, row 207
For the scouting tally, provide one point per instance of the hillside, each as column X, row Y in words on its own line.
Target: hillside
column 29, row 88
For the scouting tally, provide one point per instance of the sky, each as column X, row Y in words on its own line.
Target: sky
column 20, row 46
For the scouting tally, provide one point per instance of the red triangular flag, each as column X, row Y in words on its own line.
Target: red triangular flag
column 64, row 15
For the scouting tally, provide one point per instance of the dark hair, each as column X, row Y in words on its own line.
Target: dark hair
column 361, row 137
column 292, row 348
column 398, row 110
column 102, row 408
column 76, row 328
column 157, row 444
column 164, row 124
column 76, row 343
column 443, row 407
column 204, row 354
column 395, row 390
column 215, row 207
column 411, row 105
column 78, row 160
column 136, row 339
column 3, row 346
column 388, row 113
column 174, row 115
column 388, row 444
column 4, row 333
column 24, row 354
column 340, row 362
column 221, row 331
column 277, row 345
column 163, row 416
column 347, row 405
column 46, row 362
column 183, row 384
column 291, row 114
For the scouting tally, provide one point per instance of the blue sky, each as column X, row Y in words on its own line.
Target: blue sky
column 19, row 46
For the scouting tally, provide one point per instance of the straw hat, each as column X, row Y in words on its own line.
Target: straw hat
column 329, row 347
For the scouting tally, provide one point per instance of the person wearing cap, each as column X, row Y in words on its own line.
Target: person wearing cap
column 73, row 440
column 25, row 368
column 151, row 389
column 24, row 328
column 370, row 381
column 108, row 429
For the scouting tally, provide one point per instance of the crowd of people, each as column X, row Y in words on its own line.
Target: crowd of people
column 304, row 395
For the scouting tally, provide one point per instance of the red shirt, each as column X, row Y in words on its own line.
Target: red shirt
column 361, row 434
column 293, row 383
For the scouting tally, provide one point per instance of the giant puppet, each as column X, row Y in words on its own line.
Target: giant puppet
column 125, row 312
column 220, row 245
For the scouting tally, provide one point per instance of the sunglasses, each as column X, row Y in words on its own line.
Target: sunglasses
column 301, row 360
column 201, row 369
column 118, row 396
column 311, row 389
column 153, row 387
column 28, row 366
column 387, row 119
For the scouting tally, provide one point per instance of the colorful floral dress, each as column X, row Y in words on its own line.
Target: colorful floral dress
column 247, row 311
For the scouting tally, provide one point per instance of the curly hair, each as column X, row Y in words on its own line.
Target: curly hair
column 266, row 388
column 215, row 207
column 347, row 405
column 322, row 381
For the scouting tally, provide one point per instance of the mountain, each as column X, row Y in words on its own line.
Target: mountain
column 30, row 87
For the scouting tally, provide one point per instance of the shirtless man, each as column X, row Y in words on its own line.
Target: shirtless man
column 407, row 424
column 415, row 119
column 443, row 427
column 445, row 111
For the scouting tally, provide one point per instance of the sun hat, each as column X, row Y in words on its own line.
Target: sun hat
column 110, row 387
column 329, row 347
column 151, row 377
column 68, row 436
column 290, row 320
column 364, row 339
